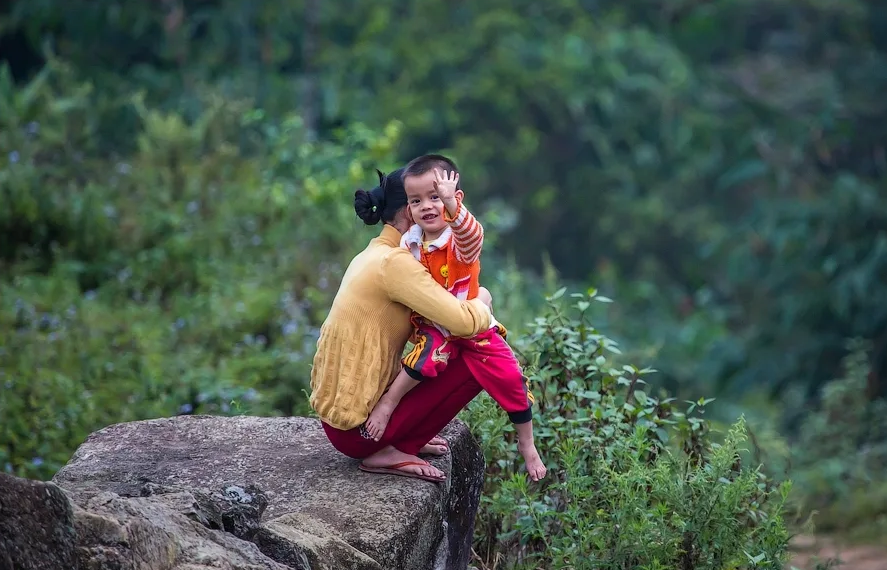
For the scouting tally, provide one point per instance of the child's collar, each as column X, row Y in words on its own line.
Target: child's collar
column 414, row 237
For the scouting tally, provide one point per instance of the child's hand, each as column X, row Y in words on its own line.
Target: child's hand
column 445, row 183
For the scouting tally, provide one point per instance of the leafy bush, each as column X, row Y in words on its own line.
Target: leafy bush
column 634, row 481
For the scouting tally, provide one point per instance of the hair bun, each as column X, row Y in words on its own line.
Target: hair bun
column 369, row 205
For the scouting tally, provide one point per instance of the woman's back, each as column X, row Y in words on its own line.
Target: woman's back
column 361, row 340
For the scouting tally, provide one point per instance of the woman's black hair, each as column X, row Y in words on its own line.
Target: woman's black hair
column 384, row 201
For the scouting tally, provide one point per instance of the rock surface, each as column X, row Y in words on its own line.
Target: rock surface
column 275, row 482
column 36, row 526
column 158, row 532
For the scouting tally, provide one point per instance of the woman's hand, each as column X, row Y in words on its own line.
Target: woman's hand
column 484, row 295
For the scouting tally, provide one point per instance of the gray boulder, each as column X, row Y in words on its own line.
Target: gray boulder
column 158, row 532
column 36, row 526
column 40, row 529
column 277, row 483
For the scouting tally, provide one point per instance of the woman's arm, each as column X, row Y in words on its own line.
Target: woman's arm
column 409, row 283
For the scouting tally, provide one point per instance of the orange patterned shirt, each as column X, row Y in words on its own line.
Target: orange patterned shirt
column 453, row 259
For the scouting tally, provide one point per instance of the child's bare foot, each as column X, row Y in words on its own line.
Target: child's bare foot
column 378, row 420
column 535, row 467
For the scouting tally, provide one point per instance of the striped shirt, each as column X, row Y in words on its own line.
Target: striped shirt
column 468, row 235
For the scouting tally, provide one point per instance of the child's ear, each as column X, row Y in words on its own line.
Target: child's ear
column 459, row 195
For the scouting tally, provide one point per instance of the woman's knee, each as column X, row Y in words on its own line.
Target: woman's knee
column 348, row 442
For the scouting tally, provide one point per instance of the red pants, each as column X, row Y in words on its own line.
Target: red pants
column 488, row 357
column 421, row 414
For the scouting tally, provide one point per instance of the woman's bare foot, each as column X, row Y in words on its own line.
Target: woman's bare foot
column 378, row 420
column 535, row 467
column 437, row 440
column 389, row 456
column 437, row 446
column 433, row 449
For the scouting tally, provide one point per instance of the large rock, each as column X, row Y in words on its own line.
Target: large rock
column 159, row 532
column 169, row 529
column 278, row 483
column 36, row 526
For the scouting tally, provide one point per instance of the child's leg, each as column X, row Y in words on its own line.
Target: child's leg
column 427, row 359
column 498, row 372
column 430, row 354
column 527, row 448
column 496, row 369
column 378, row 420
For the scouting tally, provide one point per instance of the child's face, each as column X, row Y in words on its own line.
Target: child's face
column 425, row 205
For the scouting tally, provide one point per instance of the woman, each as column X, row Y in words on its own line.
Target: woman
column 361, row 343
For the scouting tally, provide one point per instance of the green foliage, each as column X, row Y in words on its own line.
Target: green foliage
column 716, row 163
column 635, row 481
column 840, row 456
column 190, row 273
column 807, row 276
column 720, row 157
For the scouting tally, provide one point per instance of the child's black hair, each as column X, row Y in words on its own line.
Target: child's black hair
column 422, row 164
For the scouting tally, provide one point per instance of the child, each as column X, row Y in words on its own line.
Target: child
column 447, row 239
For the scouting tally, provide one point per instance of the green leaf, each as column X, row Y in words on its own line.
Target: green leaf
column 742, row 173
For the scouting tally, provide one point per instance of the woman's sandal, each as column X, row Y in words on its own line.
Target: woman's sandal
column 396, row 470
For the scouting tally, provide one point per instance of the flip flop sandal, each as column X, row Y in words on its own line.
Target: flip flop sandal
column 396, row 470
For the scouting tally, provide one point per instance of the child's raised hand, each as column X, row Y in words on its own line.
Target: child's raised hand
column 445, row 183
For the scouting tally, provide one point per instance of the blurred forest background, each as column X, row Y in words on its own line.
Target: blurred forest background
column 176, row 181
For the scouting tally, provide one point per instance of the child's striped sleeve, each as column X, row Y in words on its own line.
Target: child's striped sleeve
column 468, row 234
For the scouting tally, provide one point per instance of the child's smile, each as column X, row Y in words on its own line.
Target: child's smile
column 432, row 223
